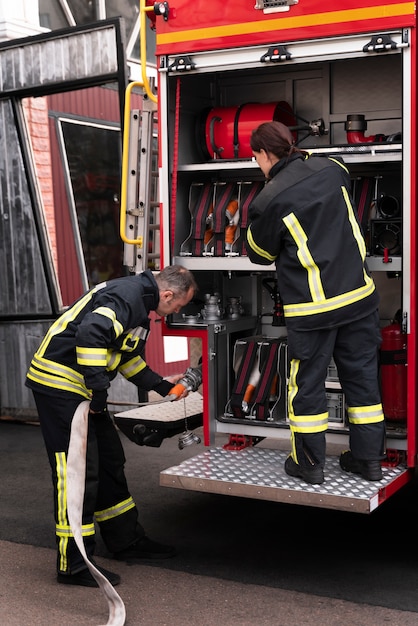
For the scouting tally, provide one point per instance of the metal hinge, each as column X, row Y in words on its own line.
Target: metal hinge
column 274, row 6
column 404, row 323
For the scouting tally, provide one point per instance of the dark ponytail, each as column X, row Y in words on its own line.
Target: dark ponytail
column 276, row 138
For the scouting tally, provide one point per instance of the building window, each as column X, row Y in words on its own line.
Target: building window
column 93, row 156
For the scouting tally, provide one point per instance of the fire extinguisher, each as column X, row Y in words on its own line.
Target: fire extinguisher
column 393, row 371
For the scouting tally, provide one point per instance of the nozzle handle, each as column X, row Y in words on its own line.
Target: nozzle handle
column 176, row 391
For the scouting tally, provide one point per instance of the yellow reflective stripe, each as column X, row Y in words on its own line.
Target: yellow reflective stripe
column 139, row 331
column 43, row 378
column 306, row 260
column 61, row 474
column 365, row 414
column 302, row 423
column 309, row 423
column 113, row 359
column 130, row 343
column 114, row 511
column 111, row 314
column 257, row 249
column 62, row 322
column 331, row 304
column 292, row 385
column 354, row 224
column 332, row 18
column 91, row 356
column 57, row 369
column 87, row 530
column 132, row 367
column 339, row 163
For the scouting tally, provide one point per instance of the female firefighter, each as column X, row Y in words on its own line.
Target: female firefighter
column 304, row 221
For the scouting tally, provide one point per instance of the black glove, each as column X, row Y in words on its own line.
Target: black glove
column 98, row 403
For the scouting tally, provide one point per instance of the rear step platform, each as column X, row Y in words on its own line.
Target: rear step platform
column 259, row 473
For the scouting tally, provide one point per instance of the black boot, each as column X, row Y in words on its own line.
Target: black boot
column 312, row 474
column 369, row 470
column 145, row 548
column 86, row 579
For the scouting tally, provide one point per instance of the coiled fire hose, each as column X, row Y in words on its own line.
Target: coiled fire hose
column 76, row 472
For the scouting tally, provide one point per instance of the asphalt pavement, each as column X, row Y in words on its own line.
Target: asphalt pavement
column 240, row 562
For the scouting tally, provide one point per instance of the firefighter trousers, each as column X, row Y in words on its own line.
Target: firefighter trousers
column 107, row 501
column 354, row 347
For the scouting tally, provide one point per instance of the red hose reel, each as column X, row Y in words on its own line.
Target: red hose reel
column 226, row 131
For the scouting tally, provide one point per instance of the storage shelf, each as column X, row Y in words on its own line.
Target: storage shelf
column 243, row 264
column 224, row 263
column 377, row 264
column 358, row 153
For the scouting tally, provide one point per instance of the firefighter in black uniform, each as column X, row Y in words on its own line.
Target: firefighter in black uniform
column 101, row 334
column 304, row 221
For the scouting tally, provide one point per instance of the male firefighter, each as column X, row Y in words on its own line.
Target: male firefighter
column 102, row 333
column 304, row 221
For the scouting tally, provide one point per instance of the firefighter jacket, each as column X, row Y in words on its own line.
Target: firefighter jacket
column 101, row 334
column 304, row 220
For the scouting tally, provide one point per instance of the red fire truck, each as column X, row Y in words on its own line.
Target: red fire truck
column 342, row 77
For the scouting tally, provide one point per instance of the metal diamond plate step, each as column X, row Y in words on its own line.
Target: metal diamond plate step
column 258, row 473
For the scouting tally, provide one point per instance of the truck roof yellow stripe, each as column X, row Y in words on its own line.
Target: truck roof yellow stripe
column 284, row 23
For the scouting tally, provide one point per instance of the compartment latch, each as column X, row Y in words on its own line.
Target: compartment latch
column 275, row 54
column 182, row 64
column 274, row 6
column 381, row 43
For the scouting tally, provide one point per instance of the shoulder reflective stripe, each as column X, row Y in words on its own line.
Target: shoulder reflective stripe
column 257, row 249
column 47, row 380
column 100, row 286
column 62, row 322
column 306, row 260
column 139, row 331
column 354, row 224
column 111, row 314
column 366, row 414
column 132, row 367
column 114, row 511
column 339, row 163
column 91, row 356
column 330, row 304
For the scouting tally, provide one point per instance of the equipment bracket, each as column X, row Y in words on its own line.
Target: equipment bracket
column 182, row 64
column 381, row 43
column 275, row 54
column 238, row 442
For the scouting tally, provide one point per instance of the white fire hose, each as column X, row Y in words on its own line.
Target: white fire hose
column 76, row 472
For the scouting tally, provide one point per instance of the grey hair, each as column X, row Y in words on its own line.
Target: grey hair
column 177, row 279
